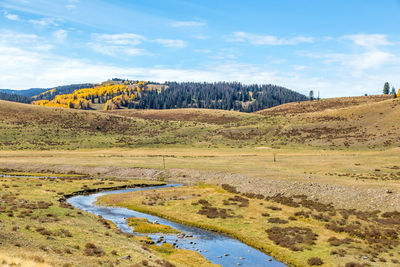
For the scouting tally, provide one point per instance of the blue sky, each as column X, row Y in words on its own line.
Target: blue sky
column 340, row 48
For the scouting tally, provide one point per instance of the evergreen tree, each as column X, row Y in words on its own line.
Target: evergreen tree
column 386, row 88
column 311, row 95
column 15, row 98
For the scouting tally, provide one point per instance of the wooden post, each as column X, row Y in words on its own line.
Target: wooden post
column 163, row 159
column 274, row 158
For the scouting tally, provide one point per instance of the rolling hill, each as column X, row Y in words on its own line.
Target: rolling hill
column 27, row 92
column 360, row 123
column 128, row 94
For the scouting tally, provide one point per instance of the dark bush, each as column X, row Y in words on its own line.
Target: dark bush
column 277, row 220
column 292, row 237
column 92, row 250
column 315, row 261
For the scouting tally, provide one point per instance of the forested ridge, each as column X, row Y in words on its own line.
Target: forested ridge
column 25, row 92
column 15, row 98
column 221, row 95
column 127, row 94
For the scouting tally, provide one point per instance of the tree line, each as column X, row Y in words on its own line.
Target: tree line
column 386, row 89
column 219, row 95
column 15, row 98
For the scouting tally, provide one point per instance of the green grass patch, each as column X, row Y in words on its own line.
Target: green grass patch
column 142, row 225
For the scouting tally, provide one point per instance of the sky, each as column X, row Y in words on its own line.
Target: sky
column 335, row 47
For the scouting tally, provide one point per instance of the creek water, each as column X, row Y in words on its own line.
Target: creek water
column 215, row 247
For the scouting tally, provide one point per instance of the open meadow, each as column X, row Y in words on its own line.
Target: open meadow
column 327, row 174
column 39, row 228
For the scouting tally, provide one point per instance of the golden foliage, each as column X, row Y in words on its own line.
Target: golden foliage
column 114, row 95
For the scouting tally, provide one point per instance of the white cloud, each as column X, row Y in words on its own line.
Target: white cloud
column 30, row 42
column 171, row 43
column 188, row 24
column 368, row 40
column 45, row 22
column 258, row 39
column 120, row 39
column 20, row 68
column 60, row 35
column 117, row 44
column 70, row 7
column 115, row 50
column 11, row 16
column 357, row 62
column 15, row 38
column 300, row 67
column 26, row 60
column 370, row 59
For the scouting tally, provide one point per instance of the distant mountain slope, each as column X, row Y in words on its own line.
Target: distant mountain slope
column 122, row 94
column 42, row 93
column 28, row 92
column 15, row 98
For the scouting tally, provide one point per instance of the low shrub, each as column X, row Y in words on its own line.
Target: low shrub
column 92, row 250
column 315, row 261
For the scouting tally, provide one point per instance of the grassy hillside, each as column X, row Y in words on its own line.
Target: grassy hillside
column 364, row 122
column 368, row 122
column 324, row 104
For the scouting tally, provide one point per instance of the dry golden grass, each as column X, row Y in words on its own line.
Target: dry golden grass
column 27, row 261
column 36, row 226
column 251, row 220
column 209, row 116
column 356, row 179
column 335, row 124
column 323, row 104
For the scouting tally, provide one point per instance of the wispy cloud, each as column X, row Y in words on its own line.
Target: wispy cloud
column 11, row 16
column 117, row 44
column 368, row 40
column 120, row 39
column 171, row 43
column 21, row 67
column 114, row 50
column 188, row 23
column 259, row 39
column 200, row 36
column 30, row 42
column 71, row 4
column 45, row 22
column 60, row 35
column 362, row 61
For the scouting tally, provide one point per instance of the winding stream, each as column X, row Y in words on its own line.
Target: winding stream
column 215, row 247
